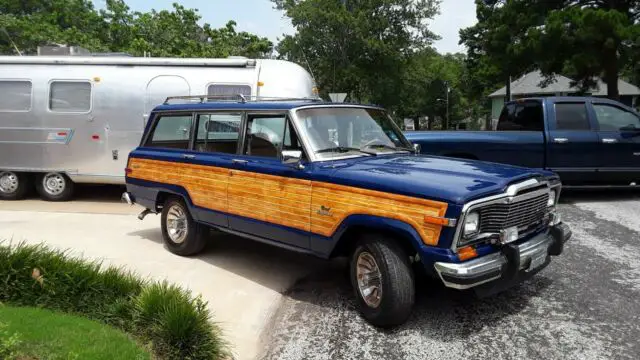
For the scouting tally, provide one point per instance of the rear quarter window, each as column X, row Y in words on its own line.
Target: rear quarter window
column 521, row 116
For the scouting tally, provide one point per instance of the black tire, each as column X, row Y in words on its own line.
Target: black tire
column 194, row 240
column 396, row 281
column 14, row 185
column 54, row 187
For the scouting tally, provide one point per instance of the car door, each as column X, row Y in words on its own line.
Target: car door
column 215, row 145
column 619, row 137
column 269, row 199
column 572, row 149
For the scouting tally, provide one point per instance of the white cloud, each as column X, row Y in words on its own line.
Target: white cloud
column 454, row 15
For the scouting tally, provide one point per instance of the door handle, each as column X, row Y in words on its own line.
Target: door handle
column 561, row 140
column 188, row 156
column 239, row 161
column 609, row 141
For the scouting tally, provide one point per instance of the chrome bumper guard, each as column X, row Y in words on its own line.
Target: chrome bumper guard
column 507, row 266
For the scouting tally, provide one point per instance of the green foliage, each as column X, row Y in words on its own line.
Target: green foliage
column 176, row 324
column 45, row 334
column 174, row 33
column 9, row 343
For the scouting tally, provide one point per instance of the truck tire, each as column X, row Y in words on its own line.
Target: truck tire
column 54, row 186
column 383, row 281
column 180, row 233
column 13, row 185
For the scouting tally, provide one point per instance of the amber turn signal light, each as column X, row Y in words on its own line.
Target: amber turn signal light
column 466, row 253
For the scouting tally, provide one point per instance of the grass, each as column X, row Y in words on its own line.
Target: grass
column 174, row 323
column 44, row 334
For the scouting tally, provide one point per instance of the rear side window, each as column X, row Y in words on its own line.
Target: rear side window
column 265, row 134
column 218, row 133
column 171, row 132
column 228, row 91
column 521, row 116
column 70, row 96
column 572, row 116
column 16, row 95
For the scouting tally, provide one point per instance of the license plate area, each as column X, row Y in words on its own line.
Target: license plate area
column 537, row 261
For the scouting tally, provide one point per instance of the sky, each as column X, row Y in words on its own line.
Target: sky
column 259, row 17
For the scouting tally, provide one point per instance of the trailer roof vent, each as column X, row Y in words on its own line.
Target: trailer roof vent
column 62, row 50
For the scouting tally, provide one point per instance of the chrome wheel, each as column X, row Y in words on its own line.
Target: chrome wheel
column 54, row 184
column 177, row 227
column 8, row 182
column 369, row 279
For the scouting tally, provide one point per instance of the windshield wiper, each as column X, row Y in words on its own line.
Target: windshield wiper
column 399, row 148
column 344, row 149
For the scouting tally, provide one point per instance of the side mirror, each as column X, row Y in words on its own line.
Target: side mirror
column 417, row 148
column 292, row 157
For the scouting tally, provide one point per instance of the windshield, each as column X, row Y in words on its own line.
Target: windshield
column 350, row 131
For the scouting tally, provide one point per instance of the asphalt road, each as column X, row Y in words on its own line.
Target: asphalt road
column 585, row 305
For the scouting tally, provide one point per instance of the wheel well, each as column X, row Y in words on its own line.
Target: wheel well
column 350, row 237
column 462, row 156
column 162, row 197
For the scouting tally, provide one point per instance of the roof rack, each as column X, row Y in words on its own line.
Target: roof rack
column 239, row 98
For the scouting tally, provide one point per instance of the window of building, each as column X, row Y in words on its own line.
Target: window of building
column 15, row 95
column 70, row 96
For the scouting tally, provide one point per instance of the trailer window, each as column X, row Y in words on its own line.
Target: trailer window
column 218, row 132
column 228, row 91
column 171, row 131
column 16, row 95
column 70, row 96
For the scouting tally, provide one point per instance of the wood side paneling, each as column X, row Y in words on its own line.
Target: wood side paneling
column 316, row 207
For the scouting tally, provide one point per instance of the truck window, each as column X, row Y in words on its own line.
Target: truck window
column 612, row 118
column 221, row 90
column 572, row 116
column 521, row 116
column 70, row 96
column 218, row 133
column 171, row 131
column 265, row 134
column 16, row 95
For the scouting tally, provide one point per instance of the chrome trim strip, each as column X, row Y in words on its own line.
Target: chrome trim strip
column 538, row 246
column 508, row 197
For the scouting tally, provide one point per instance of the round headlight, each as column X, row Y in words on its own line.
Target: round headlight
column 471, row 224
column 552, row 198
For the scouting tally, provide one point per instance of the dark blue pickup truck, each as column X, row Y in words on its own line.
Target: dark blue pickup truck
column 589, row 142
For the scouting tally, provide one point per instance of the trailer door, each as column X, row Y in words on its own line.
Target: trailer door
column 161, row 87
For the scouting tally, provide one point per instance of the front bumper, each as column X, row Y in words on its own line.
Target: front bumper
column 512, row 264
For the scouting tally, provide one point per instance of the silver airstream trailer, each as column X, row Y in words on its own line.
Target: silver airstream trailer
column 74, row 119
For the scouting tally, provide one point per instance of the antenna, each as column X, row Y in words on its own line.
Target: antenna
column 11, row 41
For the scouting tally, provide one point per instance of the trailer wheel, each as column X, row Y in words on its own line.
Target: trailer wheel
column 54, row 187
column 13, row 186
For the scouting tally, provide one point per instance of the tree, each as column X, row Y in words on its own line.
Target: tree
column 357, row 46
column 582, row 39
column 174, row 33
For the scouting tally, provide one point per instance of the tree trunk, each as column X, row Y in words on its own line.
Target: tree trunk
column 611, row 74
column 416, row 123
column 508, row 94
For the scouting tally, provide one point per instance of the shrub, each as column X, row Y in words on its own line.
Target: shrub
column 176, row 324
column 8, row 344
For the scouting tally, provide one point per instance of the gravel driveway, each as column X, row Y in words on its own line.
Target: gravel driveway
column 585, row 305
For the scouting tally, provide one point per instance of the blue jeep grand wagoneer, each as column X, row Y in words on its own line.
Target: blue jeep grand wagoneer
column 341, row 179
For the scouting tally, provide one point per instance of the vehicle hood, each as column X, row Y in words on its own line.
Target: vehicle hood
column 446, row 179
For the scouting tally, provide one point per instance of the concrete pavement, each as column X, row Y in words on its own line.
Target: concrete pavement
column 241, row 280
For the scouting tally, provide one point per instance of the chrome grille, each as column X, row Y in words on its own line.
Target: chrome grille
column 496, row 217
